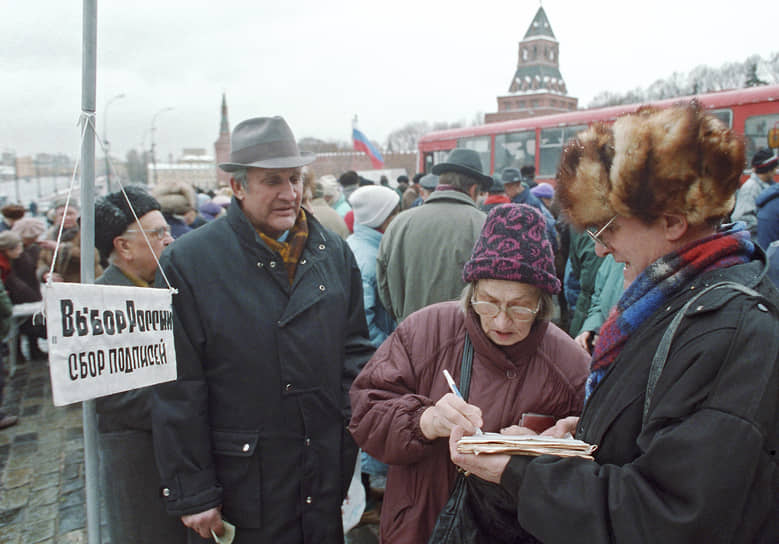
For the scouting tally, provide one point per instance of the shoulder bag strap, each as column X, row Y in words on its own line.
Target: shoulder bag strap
column 661, row 354
column 466, row 367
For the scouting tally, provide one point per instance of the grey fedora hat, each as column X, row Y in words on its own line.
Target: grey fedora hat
column 464, row 161
column 264, row 142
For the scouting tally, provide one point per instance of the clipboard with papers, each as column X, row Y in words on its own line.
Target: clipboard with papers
column 532, row 445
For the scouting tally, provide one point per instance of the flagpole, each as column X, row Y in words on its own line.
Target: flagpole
column 88, row 99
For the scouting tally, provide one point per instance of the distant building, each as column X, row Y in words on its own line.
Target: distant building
column 194, row 167
column 222, row 146
column 537, row 87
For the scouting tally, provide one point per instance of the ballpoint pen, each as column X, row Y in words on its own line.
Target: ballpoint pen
column 456, row 391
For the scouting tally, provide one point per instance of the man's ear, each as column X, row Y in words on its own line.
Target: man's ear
column 675, row 226
column 238, row 190
column 122, row 247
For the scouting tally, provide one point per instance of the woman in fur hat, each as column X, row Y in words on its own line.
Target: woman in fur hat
column 682, row 394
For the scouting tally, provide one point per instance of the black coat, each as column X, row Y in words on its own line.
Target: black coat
column 704, row 469
column 257, row 418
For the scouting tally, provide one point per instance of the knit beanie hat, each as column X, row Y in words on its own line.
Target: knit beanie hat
column 29, row 227
column 543, row 190
column 9, row 240
column 513, row 246
column 372, row 204
column 113, row 215
column 764, row 161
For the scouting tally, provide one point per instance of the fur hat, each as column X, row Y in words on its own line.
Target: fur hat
column 29, row 227
column 113, row 215
column 676, row 160
column 763, row 161
column 59, row 202
column 583, row 184
column 13, row 211
column 373, row 204
column 9, row 240
column 176, row 198
column 513, row 246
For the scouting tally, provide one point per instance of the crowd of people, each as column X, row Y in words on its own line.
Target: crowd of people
column 315, row 318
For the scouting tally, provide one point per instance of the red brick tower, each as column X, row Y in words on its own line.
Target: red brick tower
column 222, row 146
column 537, row 87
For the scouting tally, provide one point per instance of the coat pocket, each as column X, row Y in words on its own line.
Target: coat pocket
column 237, row 460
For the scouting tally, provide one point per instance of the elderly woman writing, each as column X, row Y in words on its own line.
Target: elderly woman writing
column 402, row 409
column 682, row 394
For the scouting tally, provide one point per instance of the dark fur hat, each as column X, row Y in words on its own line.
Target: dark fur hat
column 583, row 184
column 113, row 216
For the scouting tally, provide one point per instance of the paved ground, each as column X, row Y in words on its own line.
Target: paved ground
column 41, row 464
column 42, row 492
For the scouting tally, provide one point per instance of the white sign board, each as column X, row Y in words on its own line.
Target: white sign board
column 105, row 339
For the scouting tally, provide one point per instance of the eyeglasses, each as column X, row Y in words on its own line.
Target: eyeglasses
column 596, row 236
column 515, row 313
column 160, row 233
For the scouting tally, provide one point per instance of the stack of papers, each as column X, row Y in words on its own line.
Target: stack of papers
column 533, row 445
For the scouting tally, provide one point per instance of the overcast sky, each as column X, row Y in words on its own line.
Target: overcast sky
column 320, row 63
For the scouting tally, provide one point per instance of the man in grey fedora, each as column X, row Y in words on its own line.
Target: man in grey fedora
column 422, row 254
column 270, row 332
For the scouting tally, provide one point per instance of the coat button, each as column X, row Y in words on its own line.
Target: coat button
column 246, row 447
column 511, row 373
column 259, row 265
column 761, row 307
column 288, row 387
column 308, row 441
column 321, row 287
column 166, row 492
column 321, row 247
column 303, row 261
column 699, row 308
column 309, row 500
column 273, row 264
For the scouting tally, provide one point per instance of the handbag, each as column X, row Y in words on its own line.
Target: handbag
column 477, row 511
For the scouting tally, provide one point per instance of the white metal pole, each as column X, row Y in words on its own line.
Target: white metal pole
column 88, row 98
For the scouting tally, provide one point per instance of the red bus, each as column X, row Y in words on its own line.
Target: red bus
column 538, row 141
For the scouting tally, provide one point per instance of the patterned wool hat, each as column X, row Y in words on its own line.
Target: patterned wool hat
column 513, row 246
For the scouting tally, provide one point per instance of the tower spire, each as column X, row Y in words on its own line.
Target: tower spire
column 224, row 126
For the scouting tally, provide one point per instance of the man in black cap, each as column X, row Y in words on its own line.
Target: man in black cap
column 764, row 165
column 129, row 479
column 422, row 254
column 270, row 331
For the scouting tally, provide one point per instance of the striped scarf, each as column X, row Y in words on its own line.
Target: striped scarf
column 291, row 249
column 660, row 281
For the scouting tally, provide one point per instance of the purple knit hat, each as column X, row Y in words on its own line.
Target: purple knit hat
column 513, row 246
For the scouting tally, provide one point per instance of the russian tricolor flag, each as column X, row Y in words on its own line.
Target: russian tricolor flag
column 361, row 143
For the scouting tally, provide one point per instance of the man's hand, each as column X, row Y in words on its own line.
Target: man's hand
column 55, row 276
column 487, row 466
column 204, row 522
column 439, row 420
column 563, row 427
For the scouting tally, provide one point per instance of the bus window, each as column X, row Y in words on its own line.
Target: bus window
column 480, row 144
column 756, row 133
column 726, row 116
column 434, row 157
column 515, row 150
column 552, row 141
